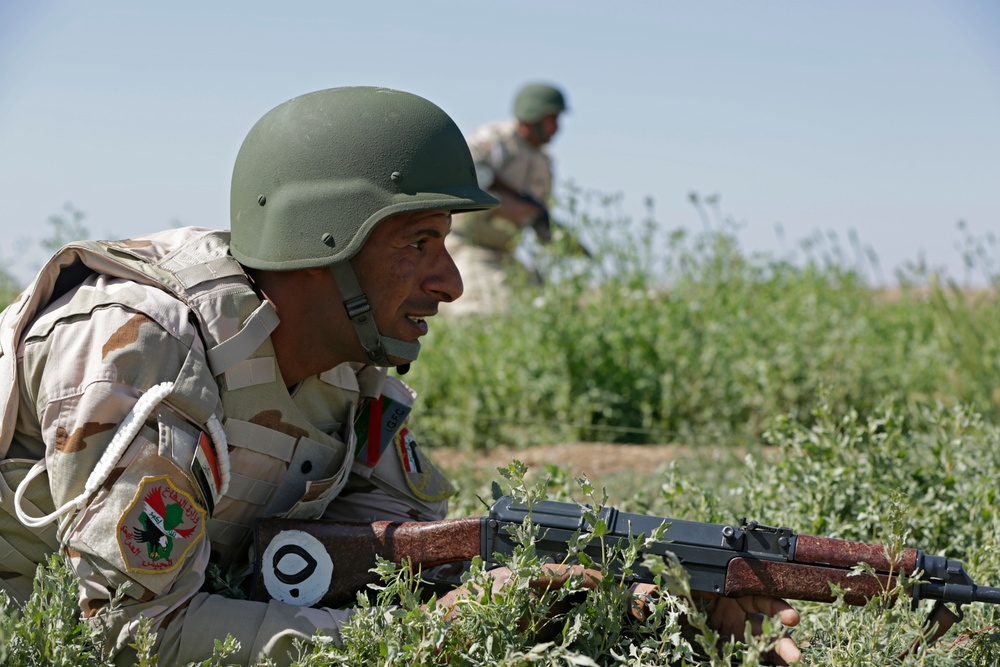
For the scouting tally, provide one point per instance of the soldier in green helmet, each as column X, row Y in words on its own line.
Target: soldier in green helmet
column 159, row 394
column 513, row 164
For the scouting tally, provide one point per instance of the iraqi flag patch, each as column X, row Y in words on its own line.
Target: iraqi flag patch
column 422, row 476
column 407, row 445
column 205, row 468
column 159, row 528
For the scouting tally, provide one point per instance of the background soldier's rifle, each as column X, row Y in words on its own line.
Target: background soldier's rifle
column 546, row 229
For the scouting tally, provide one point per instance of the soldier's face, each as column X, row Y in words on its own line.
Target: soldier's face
column 549, row 125
column 406, row 271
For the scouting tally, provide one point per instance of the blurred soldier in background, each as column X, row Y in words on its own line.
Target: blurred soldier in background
column 512, row 164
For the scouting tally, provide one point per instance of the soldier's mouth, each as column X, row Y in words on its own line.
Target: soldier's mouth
column 420, row 323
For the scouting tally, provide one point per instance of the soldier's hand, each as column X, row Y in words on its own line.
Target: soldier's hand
column 555, row 576
column 729, row 616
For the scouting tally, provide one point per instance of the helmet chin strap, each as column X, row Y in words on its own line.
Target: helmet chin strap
column 377, row 347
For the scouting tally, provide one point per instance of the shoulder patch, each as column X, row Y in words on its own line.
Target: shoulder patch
column 408, row 451
column 159, row 527
column 376, row 426
column 205, row 468
column 423, row 477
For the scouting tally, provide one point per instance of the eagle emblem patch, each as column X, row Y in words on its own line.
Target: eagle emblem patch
column 160, row 527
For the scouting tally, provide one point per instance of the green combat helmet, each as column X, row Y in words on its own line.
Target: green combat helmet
column 316, row 174
column 535, row 101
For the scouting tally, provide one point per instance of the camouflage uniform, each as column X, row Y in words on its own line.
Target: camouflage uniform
column 145, row 386
column 481, row 242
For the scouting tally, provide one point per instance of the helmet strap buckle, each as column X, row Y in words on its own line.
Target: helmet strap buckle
column 377, row 347
column 376, row 355
column 357, row 306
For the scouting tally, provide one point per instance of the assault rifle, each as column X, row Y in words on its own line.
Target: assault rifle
column 326, row 563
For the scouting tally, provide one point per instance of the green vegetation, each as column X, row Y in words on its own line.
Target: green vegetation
column 924, row 479
column 703, row 345
column 866, row 415
column 46, row 630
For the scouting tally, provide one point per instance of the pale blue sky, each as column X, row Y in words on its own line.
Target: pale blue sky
column 882, row 117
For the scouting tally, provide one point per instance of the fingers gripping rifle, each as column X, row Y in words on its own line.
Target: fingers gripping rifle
column 326, row 563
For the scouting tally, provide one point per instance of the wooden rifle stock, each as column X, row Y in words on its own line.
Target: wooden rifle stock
column 352, row 549
column 819, row 563
column 792, row 581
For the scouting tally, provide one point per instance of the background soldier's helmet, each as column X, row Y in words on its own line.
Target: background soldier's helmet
column 317, row 173
column 535, row 101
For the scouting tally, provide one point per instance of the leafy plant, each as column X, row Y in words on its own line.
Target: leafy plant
column 46, row 630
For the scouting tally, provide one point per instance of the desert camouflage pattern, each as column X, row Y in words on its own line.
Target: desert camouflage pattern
column 517, row 163
column 115, row 319
column 482, row 243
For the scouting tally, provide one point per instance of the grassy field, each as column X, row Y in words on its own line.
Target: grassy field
column 795, row 393
column 703, row 344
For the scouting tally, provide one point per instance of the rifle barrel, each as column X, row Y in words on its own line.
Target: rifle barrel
column 960, row 593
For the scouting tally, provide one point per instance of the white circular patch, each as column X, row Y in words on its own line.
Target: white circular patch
column 297, row 568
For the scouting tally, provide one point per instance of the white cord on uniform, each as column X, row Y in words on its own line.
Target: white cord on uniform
column 124, row 436
column 218, row 436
